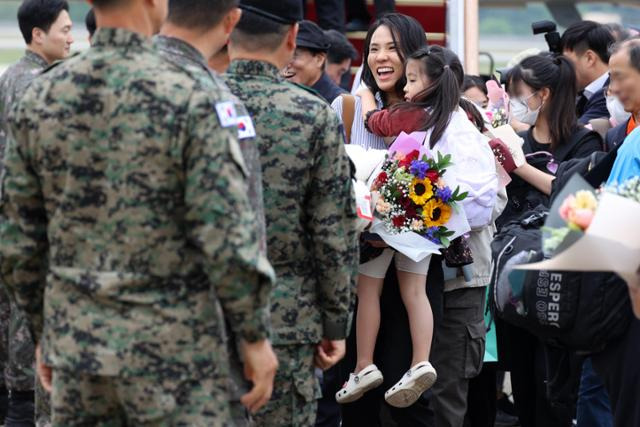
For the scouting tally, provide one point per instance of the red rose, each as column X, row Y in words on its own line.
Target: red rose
column 398, row 221
column 380, row 181
column 411, row 212
column 382, row 178
column 409, row 158
column 432, row 175
column 405, row 202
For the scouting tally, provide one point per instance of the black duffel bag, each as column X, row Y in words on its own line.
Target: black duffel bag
column 577, row 311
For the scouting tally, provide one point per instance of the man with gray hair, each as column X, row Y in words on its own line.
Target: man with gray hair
column 618, row 364
column 624, row 68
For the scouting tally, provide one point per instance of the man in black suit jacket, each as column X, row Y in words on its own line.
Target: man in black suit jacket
column 586, row 44
column 616, row 135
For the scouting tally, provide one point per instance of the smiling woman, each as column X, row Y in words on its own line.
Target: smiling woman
column 390, row 40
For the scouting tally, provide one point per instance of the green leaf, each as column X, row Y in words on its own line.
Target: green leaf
column 445, row 242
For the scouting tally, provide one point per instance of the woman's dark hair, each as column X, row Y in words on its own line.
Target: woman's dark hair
column 408, row 36
column 556, row 73
column 445, row 73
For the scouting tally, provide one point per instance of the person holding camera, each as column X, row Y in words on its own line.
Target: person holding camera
column 586, row 44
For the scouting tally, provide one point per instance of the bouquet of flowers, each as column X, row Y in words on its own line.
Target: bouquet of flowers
column 629, row 189
column 414, row 195
column 497, row 111
column 498, row 116
column 577, row 210
column 601, row 230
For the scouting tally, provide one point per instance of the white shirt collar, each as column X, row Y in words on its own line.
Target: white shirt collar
column 595, row 85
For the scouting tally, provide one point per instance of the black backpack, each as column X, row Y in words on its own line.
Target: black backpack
column 581, row 312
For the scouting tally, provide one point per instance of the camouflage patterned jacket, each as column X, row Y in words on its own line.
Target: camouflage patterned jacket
column 184, row 55
column 310, row 214
column 120, row 175
column 13, row 83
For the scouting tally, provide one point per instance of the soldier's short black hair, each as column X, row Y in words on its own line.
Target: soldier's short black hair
column 90, row 22
column 588, row 35
column 202, row 14
column 257, row 33
column 39, row 14
column 341, row 48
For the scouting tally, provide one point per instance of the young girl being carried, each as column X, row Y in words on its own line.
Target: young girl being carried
column 434, row 78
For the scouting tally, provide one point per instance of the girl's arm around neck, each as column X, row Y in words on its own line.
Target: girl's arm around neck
column 391, row 122
column 368, row 100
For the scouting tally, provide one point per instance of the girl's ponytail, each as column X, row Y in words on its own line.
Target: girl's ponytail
column 442, row 97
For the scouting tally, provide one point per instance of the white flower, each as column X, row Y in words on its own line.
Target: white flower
column 416, row 225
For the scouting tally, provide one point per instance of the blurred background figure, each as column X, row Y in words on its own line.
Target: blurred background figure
column 475, row 90
column 308, row 64
column 618, row 32
column 339, row 58
column 586, row 44
column 359, row 17
column 330, row 14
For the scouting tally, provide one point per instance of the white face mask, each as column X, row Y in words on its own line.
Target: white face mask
column 520, row 110
column 616, row 110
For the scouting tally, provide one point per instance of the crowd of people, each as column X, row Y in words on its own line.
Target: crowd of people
column 180, row 244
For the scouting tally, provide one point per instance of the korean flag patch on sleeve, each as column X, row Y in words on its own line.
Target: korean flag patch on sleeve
column 227, row 113
column 246, row 128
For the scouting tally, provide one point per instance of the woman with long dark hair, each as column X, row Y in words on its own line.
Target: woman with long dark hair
column 433, row 91
column 543, row 93
column 390, row 40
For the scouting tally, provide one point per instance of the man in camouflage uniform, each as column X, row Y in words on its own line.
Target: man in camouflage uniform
column 310, row 214
column 189, row 23
column 46, row 28
column 124, row 204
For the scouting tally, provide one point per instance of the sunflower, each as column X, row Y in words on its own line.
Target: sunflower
column 420, row 191
column 435, row 213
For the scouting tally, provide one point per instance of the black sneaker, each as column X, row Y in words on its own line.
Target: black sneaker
column 506, row 420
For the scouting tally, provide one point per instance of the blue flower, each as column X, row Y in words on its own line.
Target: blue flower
column 431, row 235
column 419, row 168
column 444, row 194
